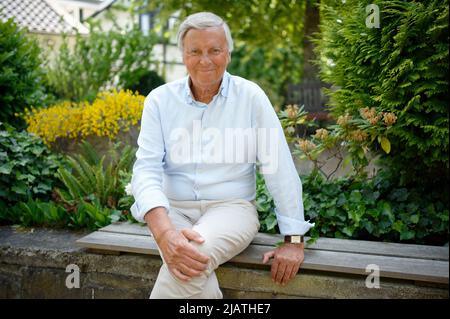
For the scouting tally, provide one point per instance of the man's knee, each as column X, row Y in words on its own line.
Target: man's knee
column 220, row 248
column 207, row 248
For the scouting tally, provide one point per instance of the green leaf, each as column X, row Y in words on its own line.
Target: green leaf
column 385, row 145
column 369, row 227
column 71, row 183
column 21, row 189
column 330, row 213
column 355, row 196
column 115, row 216
column 355, row 216
column 6, row 168
column 407, row 234
column 346, row 162
column 387, row 211
column 270, row 222
column 414, row 219
column 400, row 194
column 348, row 230
column 398, row 226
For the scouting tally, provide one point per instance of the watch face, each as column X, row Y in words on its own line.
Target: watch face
column 296, row 239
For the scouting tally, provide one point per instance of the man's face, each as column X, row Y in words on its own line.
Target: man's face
column 206, row 55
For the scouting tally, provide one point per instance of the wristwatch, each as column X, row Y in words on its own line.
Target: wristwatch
column 293, row 239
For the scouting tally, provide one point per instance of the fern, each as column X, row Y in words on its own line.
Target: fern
column 100, row 181
column 110, row 184
column 93, row 188
column 72, row 184
column 82, row 175
column 87, row 171
column 89, row 153
column 127, row 159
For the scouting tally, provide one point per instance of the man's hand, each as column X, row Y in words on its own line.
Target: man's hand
column 182, row 258
column 286, row 263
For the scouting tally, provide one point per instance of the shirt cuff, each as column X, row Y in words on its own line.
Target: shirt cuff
column 291, row 226
column 141, row 208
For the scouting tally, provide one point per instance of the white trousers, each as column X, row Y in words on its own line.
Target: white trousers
column 228, row 227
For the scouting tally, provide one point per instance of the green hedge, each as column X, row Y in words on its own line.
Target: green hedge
column 401, row 67
column 21, row 83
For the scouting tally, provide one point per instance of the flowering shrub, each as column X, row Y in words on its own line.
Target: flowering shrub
column 361, row 136
column 110, row 113
column 401, row 67
column 357, row 207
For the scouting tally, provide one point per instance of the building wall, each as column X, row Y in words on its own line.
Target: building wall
column 116, row 18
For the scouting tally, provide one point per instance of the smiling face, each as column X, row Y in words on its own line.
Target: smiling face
column 206, row 56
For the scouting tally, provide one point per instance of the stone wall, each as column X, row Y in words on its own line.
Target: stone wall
column 33, row 265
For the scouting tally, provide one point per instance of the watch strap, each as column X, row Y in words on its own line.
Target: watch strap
column 294, row 239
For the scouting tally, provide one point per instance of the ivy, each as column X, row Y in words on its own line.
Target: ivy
column 27, row 167
column 375, row 209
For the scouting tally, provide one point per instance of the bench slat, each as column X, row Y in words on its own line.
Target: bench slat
column 342, row 262
column 322, row 260
column 330, row 244
column 127, row 228
column 119, row 242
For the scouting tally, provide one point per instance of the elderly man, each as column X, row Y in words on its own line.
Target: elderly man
column 194, row 177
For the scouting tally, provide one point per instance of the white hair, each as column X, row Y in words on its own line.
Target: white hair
column 201, row 21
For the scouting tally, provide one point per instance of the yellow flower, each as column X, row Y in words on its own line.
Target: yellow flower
column 110, row 113
column 358, row 136
column 370, row 115
column 343, row 120
column 292, row 111
column 321, row 134
column 305, row 145
column 374, row 120
column 389, row 118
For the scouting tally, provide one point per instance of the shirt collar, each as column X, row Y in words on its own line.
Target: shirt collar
column 223, row 90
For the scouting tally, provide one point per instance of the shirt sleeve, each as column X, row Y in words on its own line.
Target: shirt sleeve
column 278, row 168
column 146, row 182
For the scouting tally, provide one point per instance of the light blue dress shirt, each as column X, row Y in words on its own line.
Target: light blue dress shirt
column 172, row 162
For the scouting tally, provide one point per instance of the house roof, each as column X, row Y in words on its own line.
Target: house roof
column 39, row 16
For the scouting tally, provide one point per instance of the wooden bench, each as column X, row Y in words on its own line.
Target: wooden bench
column 418, row 263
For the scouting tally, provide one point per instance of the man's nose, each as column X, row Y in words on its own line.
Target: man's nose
column 204, row 59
